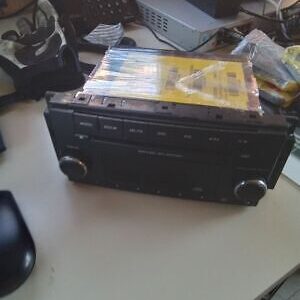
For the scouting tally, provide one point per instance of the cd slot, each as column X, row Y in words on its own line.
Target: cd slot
column 165, row 172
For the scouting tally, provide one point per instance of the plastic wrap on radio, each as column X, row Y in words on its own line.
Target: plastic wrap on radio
column 176, row 77
column 266, row 58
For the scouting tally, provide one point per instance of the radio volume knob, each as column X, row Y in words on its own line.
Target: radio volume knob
column 73, row 167
column 250, row 191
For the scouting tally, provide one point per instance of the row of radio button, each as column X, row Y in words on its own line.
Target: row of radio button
column 246, row 148
column 140, row 131
column 166, row 134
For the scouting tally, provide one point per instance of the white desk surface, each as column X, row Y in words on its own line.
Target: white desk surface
column 98, row 243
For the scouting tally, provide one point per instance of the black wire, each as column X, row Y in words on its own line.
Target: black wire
column 174, row 47
column 281, row 40
column 266, row 18
column 231, row 36
column 158, row 38
column 204, row 43
column 269, row 19
column 19, row 11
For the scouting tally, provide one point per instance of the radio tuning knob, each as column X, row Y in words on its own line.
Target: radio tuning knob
column 73, row 167
column 250, row 191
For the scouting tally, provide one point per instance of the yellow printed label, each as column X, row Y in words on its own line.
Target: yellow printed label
column 174, row 79
column 203, row 82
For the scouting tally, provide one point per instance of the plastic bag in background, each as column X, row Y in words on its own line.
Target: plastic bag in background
column 265, row 56
column 274, row 95
column 106, row 35
column 291, row 58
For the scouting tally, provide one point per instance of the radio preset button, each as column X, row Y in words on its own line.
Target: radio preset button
column 135, row 131
column 111, row 128
column 85, row 124
column 246, row 159
column 187, row 135
column 162, row 133
column 243, row 141
column 216, row 139
column 246, row 150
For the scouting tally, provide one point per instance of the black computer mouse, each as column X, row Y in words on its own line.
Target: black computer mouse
column 127, row 42
column 17, row 249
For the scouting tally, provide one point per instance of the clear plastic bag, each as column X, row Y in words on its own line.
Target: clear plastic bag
column 291, row 58
column 176, row 77
column 266, row 56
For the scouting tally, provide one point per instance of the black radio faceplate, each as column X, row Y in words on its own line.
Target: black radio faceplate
column 169, row 149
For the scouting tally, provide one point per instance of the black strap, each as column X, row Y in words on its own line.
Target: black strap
column 2, row 146
column 10, row 99
column 87, row 68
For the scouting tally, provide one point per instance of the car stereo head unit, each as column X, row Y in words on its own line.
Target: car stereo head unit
column 204, row 152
